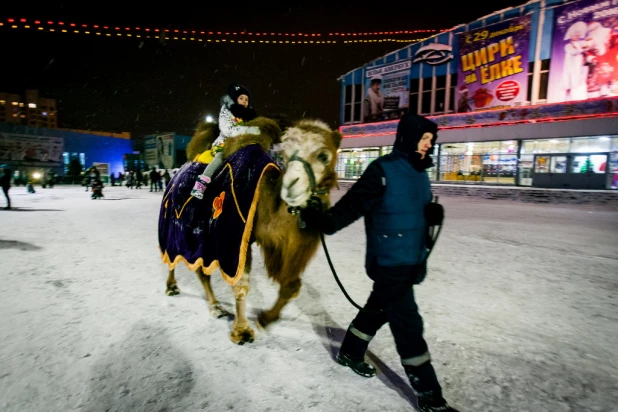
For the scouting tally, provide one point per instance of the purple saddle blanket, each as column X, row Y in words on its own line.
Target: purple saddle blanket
column 213, row 232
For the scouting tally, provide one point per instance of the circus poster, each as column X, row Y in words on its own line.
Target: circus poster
column 493, row 66
column 584, row 60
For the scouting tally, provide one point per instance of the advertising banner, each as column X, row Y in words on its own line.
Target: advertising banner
column 165, row 151
column 387, row 91
column 150, row 151
column 584, row 59
column 493, row 66
column 159, row 151
column 26, row 148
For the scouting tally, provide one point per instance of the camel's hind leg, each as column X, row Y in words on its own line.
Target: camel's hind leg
column 215, row 307
column 172, row 287
column 241, row 330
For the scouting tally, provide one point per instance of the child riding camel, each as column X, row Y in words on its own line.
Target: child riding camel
column 235, row 110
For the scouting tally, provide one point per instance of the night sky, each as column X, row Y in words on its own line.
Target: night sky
column 146, row 85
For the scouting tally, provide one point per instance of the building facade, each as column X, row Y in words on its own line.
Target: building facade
column 27, row 150
column 29, row 110
column 525, row 96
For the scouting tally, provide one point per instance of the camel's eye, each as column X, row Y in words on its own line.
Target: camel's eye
column 323, row 157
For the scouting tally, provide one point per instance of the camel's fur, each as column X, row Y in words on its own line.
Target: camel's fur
column 207, row 133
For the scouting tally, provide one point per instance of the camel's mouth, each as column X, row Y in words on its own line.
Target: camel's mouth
column 295, row 200
column 295, row 196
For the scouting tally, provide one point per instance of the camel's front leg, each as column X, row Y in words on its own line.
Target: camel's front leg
column 172, row 287
column 241, row 330
column 213, row 304
column 287, row 292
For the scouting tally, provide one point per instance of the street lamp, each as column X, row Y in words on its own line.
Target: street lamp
column 209, row 119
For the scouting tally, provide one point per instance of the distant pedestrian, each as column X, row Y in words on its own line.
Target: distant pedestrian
column 5, row 182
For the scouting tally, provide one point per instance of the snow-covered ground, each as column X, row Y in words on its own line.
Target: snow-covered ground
column 520, row 307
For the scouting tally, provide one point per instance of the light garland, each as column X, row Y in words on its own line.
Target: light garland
column 195, row 35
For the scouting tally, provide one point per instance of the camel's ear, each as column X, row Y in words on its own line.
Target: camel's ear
column 287, row 133
column 336, row 138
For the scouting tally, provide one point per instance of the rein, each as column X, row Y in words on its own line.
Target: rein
column 315, row 190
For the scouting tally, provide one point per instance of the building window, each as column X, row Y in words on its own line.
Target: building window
column 414, row 91
column 440, row 99
column 530, row 74
column 544, row 79
column 453, row 90
column 357, row 99
column 353, row 111
column 347, row 109
column 82, row 159
column 65, row 160
column 426, row 97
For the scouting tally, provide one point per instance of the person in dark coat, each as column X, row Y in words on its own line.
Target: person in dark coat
column 5, row 182
column 394, row 196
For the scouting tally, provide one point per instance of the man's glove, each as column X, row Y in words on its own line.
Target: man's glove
column 434, row 214
column 315, row 218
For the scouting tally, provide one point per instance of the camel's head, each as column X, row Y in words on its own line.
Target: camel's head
column 309, row 151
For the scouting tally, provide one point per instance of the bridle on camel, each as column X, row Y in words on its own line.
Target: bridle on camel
column 295, row 210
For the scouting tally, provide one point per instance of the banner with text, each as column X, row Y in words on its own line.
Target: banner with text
column 43, row 149
column 584, row 60
column 493, row 66
column 387, row 91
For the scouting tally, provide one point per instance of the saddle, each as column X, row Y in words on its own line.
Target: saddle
column 213, row 232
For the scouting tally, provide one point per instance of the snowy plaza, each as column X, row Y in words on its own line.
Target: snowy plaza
column 520, row 309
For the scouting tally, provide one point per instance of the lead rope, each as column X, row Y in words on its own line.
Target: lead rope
column 434, row 239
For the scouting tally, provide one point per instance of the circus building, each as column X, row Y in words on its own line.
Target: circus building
column 526, row 96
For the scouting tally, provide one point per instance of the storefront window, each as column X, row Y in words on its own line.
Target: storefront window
column 65, row 160
column 590, row 144
column 352, row 163
column 569, row 145
column 489, row 162
column 613, row 169
column 545, row 146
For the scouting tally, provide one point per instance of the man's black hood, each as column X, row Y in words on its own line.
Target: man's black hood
column 410, row 130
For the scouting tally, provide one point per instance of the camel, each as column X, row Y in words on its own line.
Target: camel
column 309, row 151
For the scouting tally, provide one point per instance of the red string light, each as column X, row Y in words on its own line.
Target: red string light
column 307, row 38
column 242, row 33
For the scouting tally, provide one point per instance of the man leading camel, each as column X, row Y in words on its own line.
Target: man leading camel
column 394, row 196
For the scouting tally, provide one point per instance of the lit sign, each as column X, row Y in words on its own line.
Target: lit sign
column 404, row 65
column 434, row 54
